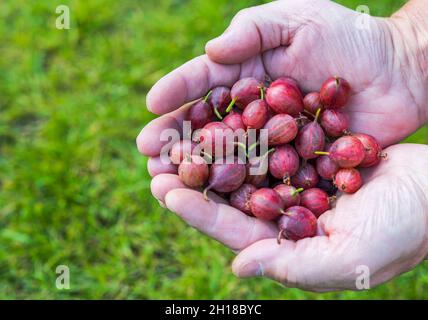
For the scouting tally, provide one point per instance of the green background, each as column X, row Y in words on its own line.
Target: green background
column 73, row 188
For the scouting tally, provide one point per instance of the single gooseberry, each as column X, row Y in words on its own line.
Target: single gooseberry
column 297, row 223
column 225, row 177
column 316, row 200
column 334, row 93
column 289, row 194
column 306, row 177
column 347, row 152
column 180, row 149
column 193, row 171
column 240, row 198
column 348, row 180
column 282, row 128
column 310, row 139
column 255, row 114
column 372, row 150
column 284, row 163
column 245, row 91
column 199, row 114
column 334, row 122
column 219, row 99
column 266, row 204
column 312, row 102
column 284, row 96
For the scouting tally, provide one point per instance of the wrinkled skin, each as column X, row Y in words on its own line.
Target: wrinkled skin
column 385, row 224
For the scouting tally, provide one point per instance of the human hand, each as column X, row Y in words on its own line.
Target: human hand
column 309, row 41
column 383, row 227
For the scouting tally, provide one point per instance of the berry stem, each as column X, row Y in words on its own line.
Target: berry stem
column 278, row 239
column 205, row 193
column 282, row 211
column 230, row 106
column 255, row 144
column 205, row 154
column 262, row 93
column 251, row 148
column 317, row 115
column 383, row 155
column 297, row 191
column 217, row 113
column 336, row 78
column 268, row 152
column 243, row 146
column 207, row 96
column 322, row 153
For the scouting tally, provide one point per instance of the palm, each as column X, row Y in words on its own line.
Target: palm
column 310, row 47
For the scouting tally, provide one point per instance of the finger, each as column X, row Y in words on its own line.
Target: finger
column 156, row 166
column 252, row 31
column 316, row 264
column 164, row 183
column 191, row 81
column 219, row 221
column 149, row 140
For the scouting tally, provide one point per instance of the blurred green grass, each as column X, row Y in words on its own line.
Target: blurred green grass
column 74, row 190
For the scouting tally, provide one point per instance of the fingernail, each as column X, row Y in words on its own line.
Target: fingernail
column 252, row 269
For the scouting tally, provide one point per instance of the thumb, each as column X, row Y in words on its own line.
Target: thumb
column 316, row 264
column 252, row 31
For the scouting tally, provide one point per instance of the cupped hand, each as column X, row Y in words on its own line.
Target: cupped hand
column 382, row 230
column 310, row 41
